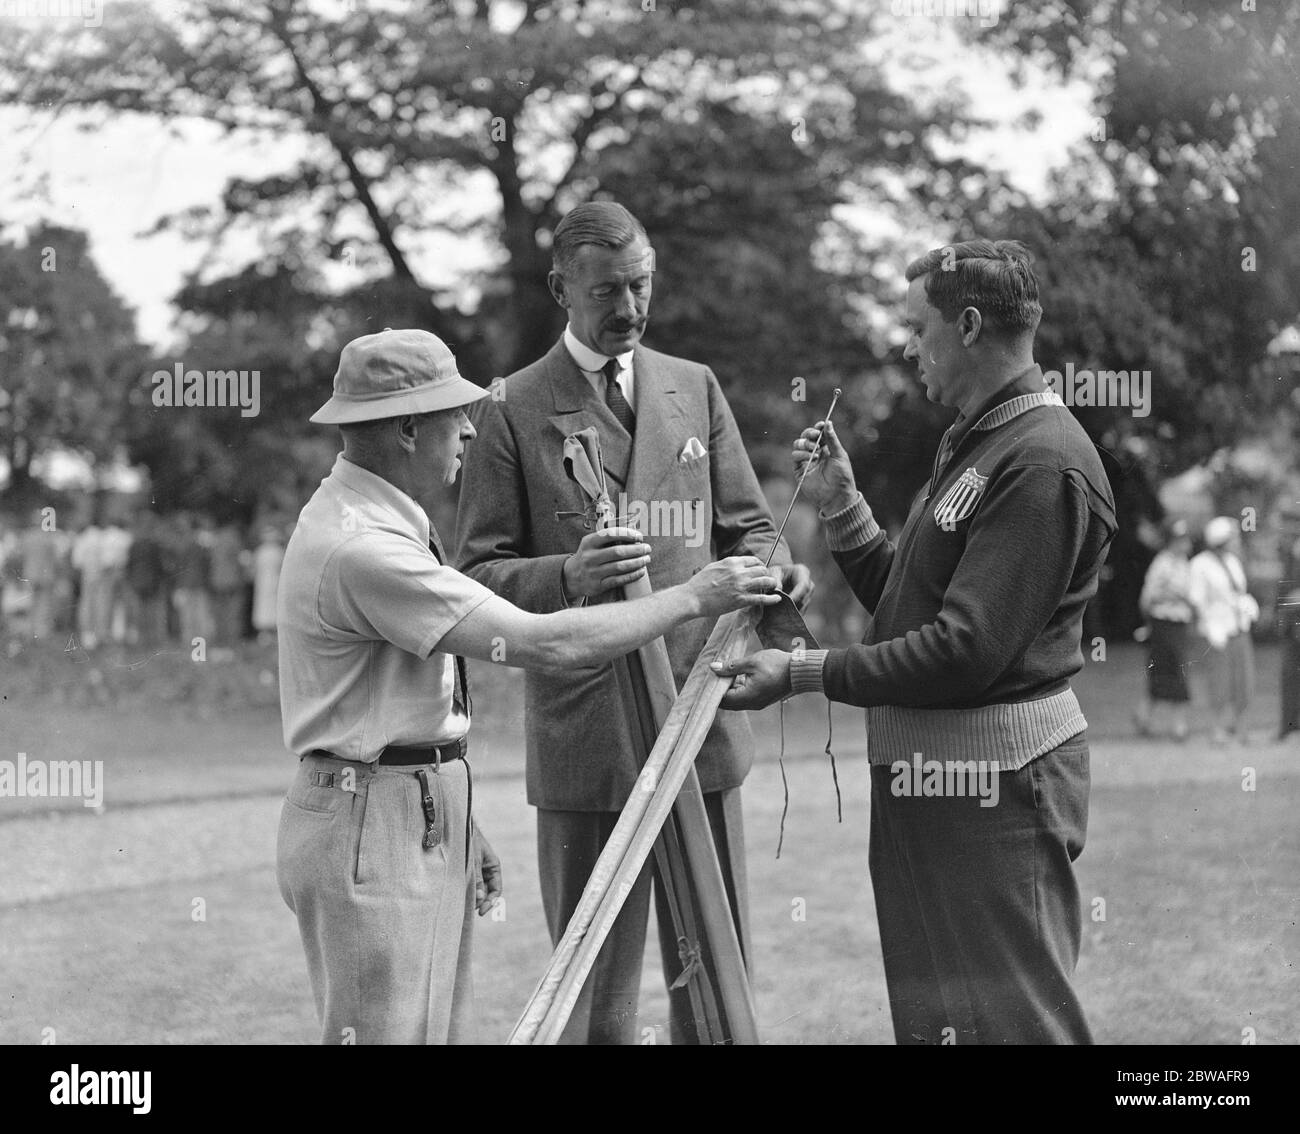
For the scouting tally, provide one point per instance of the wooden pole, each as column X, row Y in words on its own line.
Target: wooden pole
column 630, row 843
column 721, row 938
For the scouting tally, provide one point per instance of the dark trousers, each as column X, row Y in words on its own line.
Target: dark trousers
column 147, row 613
column 1290, row 682
column 568, row 844
column 228, row 616
column 979, row 911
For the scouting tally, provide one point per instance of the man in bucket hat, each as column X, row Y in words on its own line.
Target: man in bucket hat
column 378, row 854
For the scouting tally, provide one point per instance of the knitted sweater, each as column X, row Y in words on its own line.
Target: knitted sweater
column 978, row 608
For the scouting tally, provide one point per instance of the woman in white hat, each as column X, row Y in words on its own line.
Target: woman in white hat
column 1225, row 612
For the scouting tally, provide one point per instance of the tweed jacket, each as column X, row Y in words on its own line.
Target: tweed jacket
column 694, row 503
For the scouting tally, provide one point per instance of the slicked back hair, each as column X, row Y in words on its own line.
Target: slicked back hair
column 994, row 276
column 603, row 223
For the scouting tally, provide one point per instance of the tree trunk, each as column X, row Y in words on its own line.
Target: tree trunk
column 533, row 320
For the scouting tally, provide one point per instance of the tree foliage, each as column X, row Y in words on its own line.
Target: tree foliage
column 733, row 129
column 68, row 351
column 1173, row 241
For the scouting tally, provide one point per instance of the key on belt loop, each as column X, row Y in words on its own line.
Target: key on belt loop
column 432, row 831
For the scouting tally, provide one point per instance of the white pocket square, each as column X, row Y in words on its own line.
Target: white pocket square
column 693, row 450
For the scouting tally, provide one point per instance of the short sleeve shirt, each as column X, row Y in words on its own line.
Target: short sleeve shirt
column 363, row 603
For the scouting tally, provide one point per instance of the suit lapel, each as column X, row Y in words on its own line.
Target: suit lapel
column 658, row 411
column 577, row 407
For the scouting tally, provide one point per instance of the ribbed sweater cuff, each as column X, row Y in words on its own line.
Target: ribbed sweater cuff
column 806, row 671
column 850, row 527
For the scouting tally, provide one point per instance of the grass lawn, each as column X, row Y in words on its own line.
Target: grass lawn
column 99, row 938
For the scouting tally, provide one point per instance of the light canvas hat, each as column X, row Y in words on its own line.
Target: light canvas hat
column 394, row 373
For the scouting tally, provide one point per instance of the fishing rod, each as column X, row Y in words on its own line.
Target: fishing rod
column 806, row 469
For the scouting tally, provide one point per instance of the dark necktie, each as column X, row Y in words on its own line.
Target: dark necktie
column 460, row 701
column 614, row 397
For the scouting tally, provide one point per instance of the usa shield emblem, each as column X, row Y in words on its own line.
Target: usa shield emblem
column 959, row 501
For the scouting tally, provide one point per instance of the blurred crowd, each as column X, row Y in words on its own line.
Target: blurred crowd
column 1199, row 611
column 167, row 580
column 155, row 581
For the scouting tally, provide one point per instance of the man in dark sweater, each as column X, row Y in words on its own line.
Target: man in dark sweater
column 979, row 759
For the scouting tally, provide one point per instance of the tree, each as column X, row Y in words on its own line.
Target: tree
column 1175, row 236
column 69, row 357
column 1172, row 243
column 523, row 97
column 278, row 325
column 733, row 129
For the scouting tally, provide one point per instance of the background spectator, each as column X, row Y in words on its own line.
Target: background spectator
column 190, row 595
column 228, row 583
column 115, row 545
column 1166, row 603
column 95, row 582
column 145, row 591
column 1225, row 612
column 1288, row 618
column 266, row 578
column 40, row 554
column 9, row 567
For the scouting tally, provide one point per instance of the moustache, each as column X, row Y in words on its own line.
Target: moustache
column 625, row 328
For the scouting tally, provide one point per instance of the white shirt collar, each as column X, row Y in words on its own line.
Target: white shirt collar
column 386, row 496
column 590, row 360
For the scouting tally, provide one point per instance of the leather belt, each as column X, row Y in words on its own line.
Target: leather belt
column 409, row 756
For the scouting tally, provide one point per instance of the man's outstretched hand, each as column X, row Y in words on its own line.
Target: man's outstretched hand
column 761, row 679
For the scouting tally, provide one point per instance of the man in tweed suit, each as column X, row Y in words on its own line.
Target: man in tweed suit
column 677, row 469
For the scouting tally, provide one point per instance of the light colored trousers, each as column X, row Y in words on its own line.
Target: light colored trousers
column 386, row 924
column 95, row 608
column 42, row 612
column 1231, row 676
